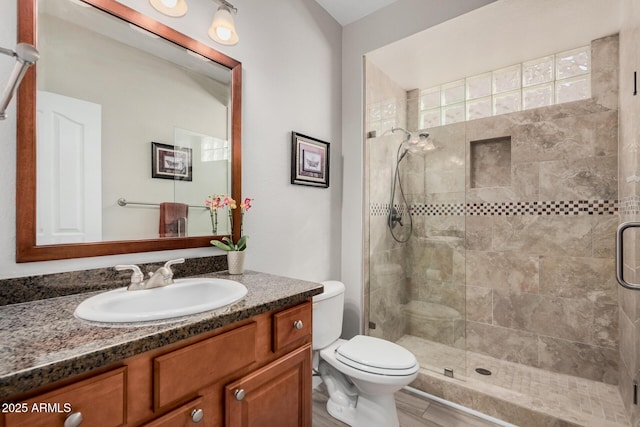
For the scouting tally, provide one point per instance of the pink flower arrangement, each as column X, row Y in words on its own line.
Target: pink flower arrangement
column 214, row 203
column 220, row 201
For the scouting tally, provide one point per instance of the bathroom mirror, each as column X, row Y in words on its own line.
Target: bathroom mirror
column 121, row 114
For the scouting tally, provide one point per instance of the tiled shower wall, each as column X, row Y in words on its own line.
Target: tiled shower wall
column 524, row 252
column 629, row 300
column 541, row 286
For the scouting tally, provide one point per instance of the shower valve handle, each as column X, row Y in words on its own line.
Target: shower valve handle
column 395, row 218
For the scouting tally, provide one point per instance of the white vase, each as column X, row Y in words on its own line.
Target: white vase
column 235, row 259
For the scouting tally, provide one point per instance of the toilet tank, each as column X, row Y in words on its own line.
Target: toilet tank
column 327, row 314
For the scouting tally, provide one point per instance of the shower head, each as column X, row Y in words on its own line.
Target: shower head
column 416, row 142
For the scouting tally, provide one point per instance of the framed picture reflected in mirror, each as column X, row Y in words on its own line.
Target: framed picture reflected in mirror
column 171, row 162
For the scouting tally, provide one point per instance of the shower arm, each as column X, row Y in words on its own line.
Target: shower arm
column 26, row 55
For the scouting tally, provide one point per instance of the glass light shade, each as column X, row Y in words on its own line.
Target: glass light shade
column 174, row 8
column 222, row 29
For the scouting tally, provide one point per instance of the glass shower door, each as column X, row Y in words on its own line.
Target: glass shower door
column 416, row 271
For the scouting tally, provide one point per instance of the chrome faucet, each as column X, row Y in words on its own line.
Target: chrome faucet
column 137, row 277
column 161, row 277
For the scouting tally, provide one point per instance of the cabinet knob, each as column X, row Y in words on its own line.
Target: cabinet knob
column 73, row 420
column 197, row 415
column 298, row 324
column 239, row 394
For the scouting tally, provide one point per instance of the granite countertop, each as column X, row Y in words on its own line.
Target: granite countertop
column 42, row 341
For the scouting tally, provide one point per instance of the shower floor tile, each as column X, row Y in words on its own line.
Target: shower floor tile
column 578, row 400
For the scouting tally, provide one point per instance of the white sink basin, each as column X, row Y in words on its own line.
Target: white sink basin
column 182, row 298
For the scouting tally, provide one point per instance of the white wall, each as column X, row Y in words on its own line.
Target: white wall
column 397, row 21
column 291, row 57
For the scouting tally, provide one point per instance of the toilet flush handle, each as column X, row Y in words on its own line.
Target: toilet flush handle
column 298, row 324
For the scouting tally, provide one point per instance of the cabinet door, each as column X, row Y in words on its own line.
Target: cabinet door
column 277, row 395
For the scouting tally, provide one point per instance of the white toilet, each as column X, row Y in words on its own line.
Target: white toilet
column 361, row 374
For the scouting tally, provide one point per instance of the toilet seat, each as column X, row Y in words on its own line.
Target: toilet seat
column 376, row 356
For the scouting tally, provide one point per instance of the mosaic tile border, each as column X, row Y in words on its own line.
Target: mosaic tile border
column 569, row 207
column 630, row 205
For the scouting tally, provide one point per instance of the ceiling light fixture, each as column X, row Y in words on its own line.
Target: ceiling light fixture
column 223, row 29
column 174, row 8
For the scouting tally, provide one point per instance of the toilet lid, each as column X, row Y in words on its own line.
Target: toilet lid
column 364, row 351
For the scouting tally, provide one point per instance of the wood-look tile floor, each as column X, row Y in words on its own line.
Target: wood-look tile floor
column 413, row 411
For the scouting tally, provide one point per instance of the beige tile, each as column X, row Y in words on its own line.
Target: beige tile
column 479, row 304
column 591, row 278
column 571, row 319
column 587, row 361
column 592, row 178
column 604, row 71
column 559, row 139
column 525, row 181
column 479, row 233
column 503, row 343
column 523, row 395
column 502, row 270
column 543, row 235
column 605, row 329
column 604, row 228
column 606, row 133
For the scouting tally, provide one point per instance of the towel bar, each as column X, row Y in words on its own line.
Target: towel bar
column 123, row 202
column 620, row 255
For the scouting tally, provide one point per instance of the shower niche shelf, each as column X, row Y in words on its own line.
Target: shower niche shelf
column 490, row 162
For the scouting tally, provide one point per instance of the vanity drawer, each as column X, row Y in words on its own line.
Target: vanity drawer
column 291, row 326
column 100, row 400
column 189, row 369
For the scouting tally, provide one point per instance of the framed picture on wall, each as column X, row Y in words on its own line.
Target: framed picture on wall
column 171, row 162
column 309, row 161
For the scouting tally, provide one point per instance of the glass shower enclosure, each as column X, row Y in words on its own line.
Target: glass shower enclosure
column 416, row 275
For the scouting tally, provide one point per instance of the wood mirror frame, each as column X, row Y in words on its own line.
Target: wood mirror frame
column 26, row 248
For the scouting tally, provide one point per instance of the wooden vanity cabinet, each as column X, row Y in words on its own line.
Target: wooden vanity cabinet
column 195, row 382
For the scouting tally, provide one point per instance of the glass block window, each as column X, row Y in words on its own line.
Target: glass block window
column 478, row 86
column 430, row 98
column 506, row 79
column 214, row 149
column 453, row 113
column 479, row 108
column 572, row 63
column 538, row 71
column 508, row 102
column 552, row 79
column 452, row 93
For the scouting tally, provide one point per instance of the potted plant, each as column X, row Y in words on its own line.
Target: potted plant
column 235, row 250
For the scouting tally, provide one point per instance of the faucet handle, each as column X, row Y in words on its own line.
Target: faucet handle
column 169, row 263
column 136, row 277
